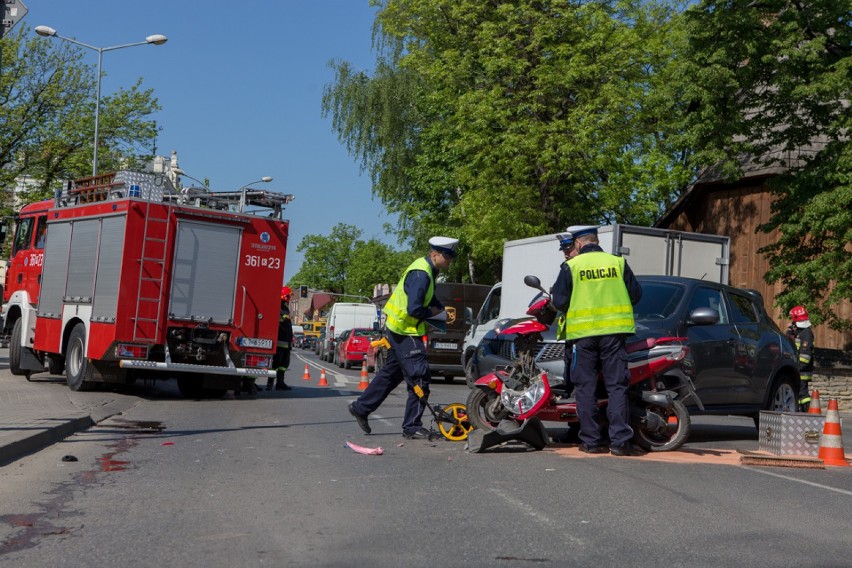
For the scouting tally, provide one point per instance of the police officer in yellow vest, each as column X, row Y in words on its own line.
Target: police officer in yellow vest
column 566, row 245
column 412, row 301
column 597, row 293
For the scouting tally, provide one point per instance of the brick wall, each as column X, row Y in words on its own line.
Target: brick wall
column 833, row 377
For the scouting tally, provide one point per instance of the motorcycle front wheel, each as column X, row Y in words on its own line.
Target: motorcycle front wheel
column 670, row 436
column 484, row 409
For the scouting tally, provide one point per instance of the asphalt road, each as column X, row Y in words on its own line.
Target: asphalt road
column 268, row 481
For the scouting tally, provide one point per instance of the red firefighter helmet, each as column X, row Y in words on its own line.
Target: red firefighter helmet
column 286, row 292
column 799, row 313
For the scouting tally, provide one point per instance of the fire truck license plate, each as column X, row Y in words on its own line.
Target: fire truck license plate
column 442, row 345
column 256, row 342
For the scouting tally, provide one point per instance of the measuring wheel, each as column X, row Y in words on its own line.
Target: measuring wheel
column 453, row 423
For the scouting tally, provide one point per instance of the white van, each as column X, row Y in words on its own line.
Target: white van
column 298, row 335
column 345, row 316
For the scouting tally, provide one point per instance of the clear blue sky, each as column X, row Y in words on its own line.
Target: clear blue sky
column 240, row 83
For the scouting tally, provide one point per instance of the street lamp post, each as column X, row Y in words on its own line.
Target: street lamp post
column 264, row 179
column 156, row 39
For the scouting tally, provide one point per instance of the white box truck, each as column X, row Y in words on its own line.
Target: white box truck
column 648, row 250
column 345, row 316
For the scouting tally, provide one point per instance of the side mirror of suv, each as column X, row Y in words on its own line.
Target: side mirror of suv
column 703, row 316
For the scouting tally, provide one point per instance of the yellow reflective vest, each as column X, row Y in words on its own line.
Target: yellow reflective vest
column 600, row 303
column 398, row 320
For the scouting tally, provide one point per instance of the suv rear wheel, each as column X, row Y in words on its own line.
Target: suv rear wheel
column 782, row 397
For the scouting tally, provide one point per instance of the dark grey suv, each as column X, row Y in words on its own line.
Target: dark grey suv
column 740, row 362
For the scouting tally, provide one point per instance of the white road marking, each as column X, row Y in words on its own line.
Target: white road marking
column 340, row 380
column 811, row 483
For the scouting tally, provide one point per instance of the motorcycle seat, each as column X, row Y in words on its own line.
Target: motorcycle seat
column 640, row 345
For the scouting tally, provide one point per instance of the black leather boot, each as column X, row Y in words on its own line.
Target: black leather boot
column 269, row 384
column 279, row 381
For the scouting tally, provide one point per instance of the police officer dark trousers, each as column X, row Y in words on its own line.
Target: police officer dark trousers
column 412, row 301
column 597, row 292
column 407, row 360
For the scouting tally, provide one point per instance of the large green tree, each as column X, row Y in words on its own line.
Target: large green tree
column 47, row 102
column 494, row 120
column 770, row 81
column 343, row 263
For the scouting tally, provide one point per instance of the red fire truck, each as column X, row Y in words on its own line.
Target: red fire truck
column 121, row 277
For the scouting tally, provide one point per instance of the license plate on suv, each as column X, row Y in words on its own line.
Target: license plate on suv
column 444, row 345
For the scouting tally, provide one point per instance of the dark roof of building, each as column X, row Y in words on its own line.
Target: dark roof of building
column 773, row 164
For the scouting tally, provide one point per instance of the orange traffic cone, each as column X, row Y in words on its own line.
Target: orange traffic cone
column 815, row 407
column 364, row 381
column 323, row 381
column 831, row 441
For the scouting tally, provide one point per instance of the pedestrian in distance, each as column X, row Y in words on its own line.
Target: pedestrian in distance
column 412, row 301
column 802, row 334
column 597, row 293
column 281, row 359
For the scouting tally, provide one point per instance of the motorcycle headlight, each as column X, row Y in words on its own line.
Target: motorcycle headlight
column 523, row 401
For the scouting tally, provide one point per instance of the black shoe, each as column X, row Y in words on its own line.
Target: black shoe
column 626, row 450
column 269, row 384
column 361, row 420
column 593, row 449
column 419, row 434
column 282, row 387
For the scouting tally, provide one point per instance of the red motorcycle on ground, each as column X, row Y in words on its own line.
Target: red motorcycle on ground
column 511, row 402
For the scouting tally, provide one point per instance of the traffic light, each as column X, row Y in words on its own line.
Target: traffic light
column 303, row 291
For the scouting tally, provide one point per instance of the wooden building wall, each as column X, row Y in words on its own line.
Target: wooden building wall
column 736, row 211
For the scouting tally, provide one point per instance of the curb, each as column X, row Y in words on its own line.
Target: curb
column 28, row 443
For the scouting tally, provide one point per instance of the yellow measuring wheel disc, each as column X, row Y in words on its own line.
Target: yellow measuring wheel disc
column 460, row 427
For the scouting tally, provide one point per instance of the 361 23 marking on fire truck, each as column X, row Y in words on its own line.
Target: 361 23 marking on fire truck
column 254, row 261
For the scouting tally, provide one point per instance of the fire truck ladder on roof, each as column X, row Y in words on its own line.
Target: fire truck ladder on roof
column 152, row 276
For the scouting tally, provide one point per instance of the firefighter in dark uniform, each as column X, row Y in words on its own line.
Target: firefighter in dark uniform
column 597, row 294
column 281, row 359
column 802, row 334
column 412, row 301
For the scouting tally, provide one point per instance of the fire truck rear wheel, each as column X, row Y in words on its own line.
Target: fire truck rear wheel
column 15, row 349
column 76, row 364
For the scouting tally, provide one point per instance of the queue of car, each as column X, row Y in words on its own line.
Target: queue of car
column 740, row 362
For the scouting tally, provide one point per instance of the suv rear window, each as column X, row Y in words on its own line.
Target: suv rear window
column 742, row 309
column 659, row 301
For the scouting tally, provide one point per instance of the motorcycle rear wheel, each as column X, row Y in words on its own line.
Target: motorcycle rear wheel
column 672, row 437
column 484, row 409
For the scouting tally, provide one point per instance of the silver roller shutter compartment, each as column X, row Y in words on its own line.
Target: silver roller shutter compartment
column 81, row 261
column 204, row 274
column 55, row 267
column 111, row 248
